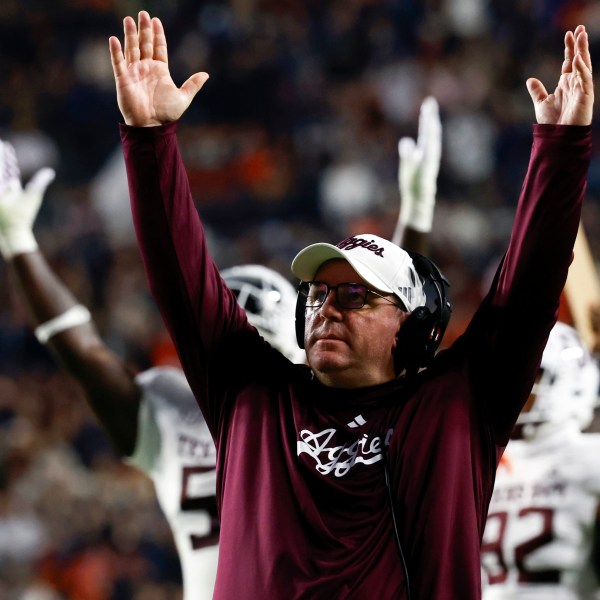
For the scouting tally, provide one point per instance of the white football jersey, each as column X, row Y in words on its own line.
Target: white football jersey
column 539, row 533
column 175, row 449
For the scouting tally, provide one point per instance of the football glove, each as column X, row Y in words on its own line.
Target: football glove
column 418, row 169
column 19, row 206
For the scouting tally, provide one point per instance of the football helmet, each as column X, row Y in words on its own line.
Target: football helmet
column 269, row 301
column 567, row 386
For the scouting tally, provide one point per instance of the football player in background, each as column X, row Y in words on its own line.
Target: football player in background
column 542, row 522
column 151, row 418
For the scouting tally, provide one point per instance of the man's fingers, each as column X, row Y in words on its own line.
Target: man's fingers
column 116, row 56
column 146, row 36
column 160, row 41
column 582, row 70
column 193, row 85
column 576, row 44
column 132, row 44
column 569, row 53
column 536, row 90
column 582, row 47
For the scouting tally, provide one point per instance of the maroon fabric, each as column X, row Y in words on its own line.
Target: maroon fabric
column 301, row 487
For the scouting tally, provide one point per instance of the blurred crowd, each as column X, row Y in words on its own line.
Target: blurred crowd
column 292, row 140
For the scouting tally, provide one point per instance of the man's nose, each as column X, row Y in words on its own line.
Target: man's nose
column 330, row 309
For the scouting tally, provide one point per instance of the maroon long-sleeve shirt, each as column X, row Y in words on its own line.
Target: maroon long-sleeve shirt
column 301, row 487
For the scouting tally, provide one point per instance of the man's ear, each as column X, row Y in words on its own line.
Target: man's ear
column 403, row 316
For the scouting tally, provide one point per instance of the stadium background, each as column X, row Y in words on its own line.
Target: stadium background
column 292, row 140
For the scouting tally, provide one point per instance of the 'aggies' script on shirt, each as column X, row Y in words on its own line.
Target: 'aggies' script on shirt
column 339, row 459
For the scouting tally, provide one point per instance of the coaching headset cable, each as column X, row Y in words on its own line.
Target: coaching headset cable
column 394, row 522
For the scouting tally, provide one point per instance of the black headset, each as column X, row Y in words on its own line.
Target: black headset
column 422, row 333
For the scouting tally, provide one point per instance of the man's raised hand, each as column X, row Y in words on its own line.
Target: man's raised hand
column 146, row 93
column 573, row 99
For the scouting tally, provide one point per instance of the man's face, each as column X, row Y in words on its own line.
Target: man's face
column 349, row 348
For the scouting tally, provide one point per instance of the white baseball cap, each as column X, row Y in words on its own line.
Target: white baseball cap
column 381, row 263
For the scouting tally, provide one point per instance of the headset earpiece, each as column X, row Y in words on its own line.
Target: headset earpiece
column 300, row 315
column 422, row 333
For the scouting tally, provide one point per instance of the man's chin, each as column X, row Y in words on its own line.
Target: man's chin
column 327, row 364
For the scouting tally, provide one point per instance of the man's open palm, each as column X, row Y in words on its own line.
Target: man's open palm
column 146, row 92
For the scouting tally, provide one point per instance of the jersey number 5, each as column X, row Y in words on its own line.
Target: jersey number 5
column 207, row 504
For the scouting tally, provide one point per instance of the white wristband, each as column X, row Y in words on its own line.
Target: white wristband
column 76, row 315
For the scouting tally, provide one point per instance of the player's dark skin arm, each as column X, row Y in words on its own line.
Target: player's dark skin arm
column 107, row 382
column 415, row 241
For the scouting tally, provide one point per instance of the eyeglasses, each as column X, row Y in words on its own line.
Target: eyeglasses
column 348, row 295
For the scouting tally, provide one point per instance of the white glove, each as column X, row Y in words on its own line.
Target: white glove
column 19, row 206
column 418, row 169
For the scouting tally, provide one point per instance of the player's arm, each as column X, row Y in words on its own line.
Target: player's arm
column 60, row 321
column 418, row 168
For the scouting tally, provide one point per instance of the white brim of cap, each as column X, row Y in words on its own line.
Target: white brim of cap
column 308, row 261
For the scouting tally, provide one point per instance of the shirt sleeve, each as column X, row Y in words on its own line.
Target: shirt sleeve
column 198, row 309
column 507, row 335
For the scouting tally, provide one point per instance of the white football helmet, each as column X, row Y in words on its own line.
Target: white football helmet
column 567, row 387
column 270, row 303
